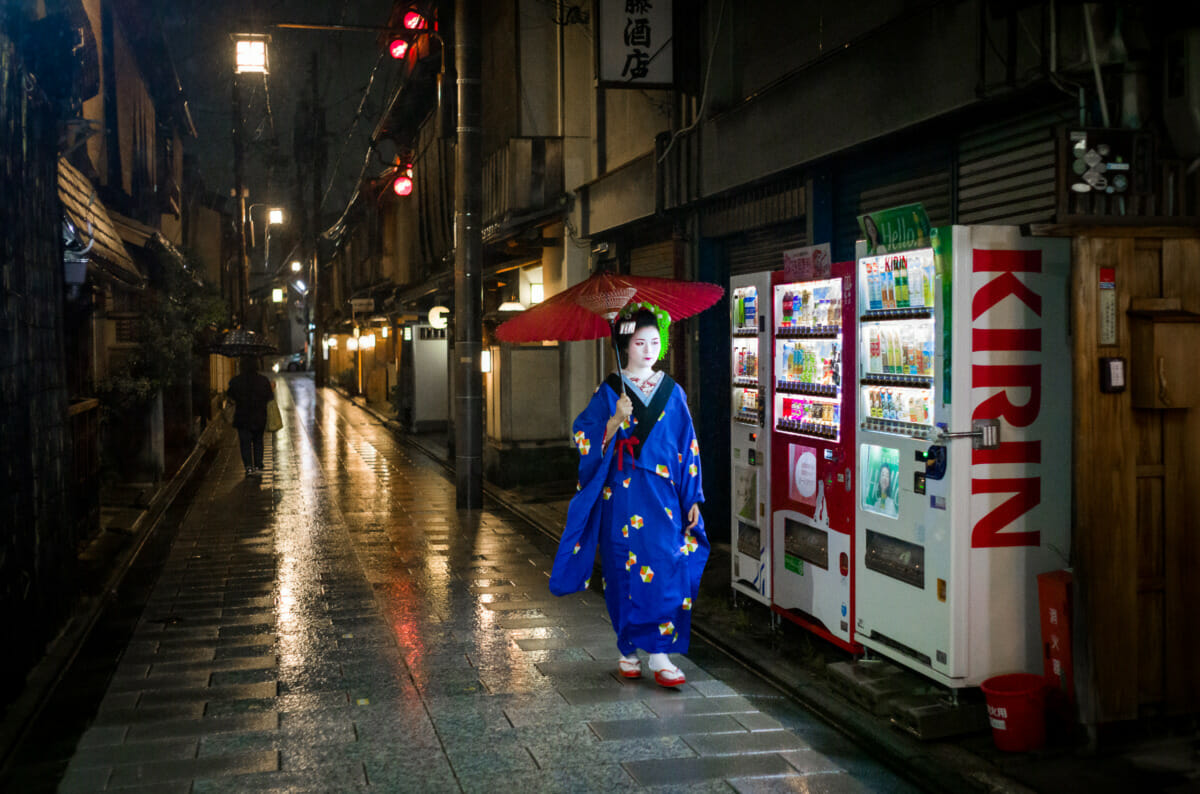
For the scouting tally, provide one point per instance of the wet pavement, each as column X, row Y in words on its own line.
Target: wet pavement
column 337, row 625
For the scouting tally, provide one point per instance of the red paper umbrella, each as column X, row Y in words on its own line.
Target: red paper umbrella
column 586, row 310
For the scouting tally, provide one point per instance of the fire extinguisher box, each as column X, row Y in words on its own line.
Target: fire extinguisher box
column 1054, row 601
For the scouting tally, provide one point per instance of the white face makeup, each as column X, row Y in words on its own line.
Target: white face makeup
column 643, row 349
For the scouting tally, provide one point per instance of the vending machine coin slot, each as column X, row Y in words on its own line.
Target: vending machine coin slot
column 918, row 482
column 752, row 456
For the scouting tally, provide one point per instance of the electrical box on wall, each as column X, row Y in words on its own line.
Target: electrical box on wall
column 1163, row 341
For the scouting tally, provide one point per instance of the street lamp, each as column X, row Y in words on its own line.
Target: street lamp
column 249, row 57
column 296, row 265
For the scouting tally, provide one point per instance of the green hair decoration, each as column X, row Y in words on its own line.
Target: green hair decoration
column 661, row 318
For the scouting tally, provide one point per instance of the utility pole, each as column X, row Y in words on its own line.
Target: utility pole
column 239, row 178
column 317, row 173
column 468, row 251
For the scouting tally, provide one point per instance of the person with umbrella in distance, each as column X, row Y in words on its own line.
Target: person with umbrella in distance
column 250, row 391
column 639, row 499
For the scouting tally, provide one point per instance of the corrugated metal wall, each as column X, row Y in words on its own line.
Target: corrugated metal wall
column 1006, row 170
column 762, row 249
column 878, row 180
column 656, row 259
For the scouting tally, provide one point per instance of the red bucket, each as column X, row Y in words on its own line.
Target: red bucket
column 1016, row 705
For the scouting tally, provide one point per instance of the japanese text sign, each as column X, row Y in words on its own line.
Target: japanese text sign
column 635, row 43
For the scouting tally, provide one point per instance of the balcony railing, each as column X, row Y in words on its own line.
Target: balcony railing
column 521, row 181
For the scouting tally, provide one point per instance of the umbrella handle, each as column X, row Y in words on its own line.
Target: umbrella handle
column 620, row 376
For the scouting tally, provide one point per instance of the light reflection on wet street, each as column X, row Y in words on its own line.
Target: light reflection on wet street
column 337, row 625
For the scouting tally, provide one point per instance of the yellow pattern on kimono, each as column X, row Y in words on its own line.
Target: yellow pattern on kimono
column 585, row 447
column 647, row 574
column 687, row 604
column 625, row 531
column 695, row 447
column 607, row 492
column 662, row 471
column 691, row 543
column 576, row 549
column 693, row 469
column 666, row 628
column 632, row 561
column 625, row 482
column 635, row 522
column 669, row 513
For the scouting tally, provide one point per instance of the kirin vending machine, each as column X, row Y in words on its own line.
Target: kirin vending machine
column 749, row 445
column 812, row 452
column 963, row 488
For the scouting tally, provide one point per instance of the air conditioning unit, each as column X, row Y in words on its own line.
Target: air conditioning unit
column 1181, row 92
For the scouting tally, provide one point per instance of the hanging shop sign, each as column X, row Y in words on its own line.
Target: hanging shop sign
column 362, row 305
column 635, row 45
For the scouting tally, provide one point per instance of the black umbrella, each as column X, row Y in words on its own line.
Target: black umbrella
column 240, row 342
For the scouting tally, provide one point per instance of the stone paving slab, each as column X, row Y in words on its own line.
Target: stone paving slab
column 339, row 627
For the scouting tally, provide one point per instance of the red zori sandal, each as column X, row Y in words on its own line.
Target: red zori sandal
column 669, row 677
column 630, row 668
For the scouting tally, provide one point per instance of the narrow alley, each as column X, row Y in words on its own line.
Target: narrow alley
column 335, row 625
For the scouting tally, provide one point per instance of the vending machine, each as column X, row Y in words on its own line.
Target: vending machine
column 812, row 452
column 749, row 447
column 963, row 487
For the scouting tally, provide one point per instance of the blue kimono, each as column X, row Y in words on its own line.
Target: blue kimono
column 632, row 501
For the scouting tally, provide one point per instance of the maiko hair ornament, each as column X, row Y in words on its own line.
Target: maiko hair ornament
column 626, row 325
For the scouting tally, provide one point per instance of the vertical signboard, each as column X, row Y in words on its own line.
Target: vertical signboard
column 635, row 48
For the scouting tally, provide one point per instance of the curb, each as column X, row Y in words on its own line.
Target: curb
column 907, row 756
column 61, row 652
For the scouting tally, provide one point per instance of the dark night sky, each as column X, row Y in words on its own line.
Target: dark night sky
column 198, row 34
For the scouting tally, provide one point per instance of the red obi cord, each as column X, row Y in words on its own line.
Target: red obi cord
column 625, row 445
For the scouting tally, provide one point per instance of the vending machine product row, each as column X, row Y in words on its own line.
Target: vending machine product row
column 963, row 458
column 812, row 451
column 749, row 446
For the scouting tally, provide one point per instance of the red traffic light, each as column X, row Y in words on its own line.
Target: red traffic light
column 402, row 185
column 414, row 21
column 398, row 48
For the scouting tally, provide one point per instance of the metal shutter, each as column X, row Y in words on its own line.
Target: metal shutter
column 919, row 175
column 762, row 249
column 1006, row 170
column 656, row 259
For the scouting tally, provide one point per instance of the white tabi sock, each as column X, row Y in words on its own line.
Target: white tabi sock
column 659, row 661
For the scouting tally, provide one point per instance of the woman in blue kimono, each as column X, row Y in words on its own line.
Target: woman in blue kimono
column 639, row 499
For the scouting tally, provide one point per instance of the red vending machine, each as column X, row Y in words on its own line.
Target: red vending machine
column 812, row 452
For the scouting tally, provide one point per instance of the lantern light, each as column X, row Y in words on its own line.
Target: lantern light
column 384, row 332
column 403, row 185
column 414, row 20
column 277, row 295
column 296, row 266
column 351, row 343
column 275, row 216
column 485, row 361
column 250, row 53
column 398, row 48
